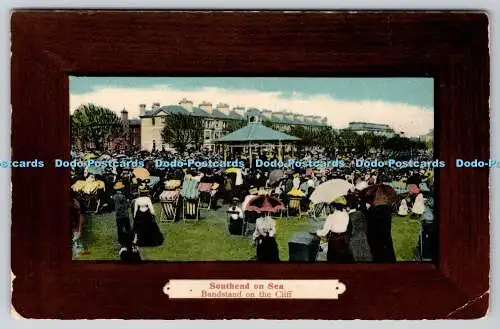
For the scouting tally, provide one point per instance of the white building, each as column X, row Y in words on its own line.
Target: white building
column 216, row 120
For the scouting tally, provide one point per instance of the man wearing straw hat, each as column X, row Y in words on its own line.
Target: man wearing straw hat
column 122, row 218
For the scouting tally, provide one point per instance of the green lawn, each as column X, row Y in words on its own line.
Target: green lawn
column 207, row 239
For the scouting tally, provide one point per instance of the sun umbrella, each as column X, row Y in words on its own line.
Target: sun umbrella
column 379, row 194
column 153, row 180
column 275, row 176
column 424, row 188
column 413, row 189
column 264, row 203
column 232, row 170
column 88, row 156
column 104, row 157
column 141, row 173
column 330, row 190
column 120, row 156
column 95, row 170
column 398, row 186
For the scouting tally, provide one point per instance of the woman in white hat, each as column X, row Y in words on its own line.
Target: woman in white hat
column 336, row 228
column 146, row 230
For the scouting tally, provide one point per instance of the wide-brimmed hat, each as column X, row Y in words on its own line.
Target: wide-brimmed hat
column 340, row 200
column 236, row 199
column 118, row 186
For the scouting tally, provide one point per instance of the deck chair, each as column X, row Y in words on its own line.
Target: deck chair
column 168, row 211
column 191, row 207
column 205, row 200
column 294, row 204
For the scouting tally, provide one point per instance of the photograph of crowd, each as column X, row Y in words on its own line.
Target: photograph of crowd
column 336, row 170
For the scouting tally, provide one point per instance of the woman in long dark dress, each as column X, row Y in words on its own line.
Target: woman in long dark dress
column 265, row 241
column 146, row 230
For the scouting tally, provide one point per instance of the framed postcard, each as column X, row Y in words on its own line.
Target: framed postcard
column 243, row 165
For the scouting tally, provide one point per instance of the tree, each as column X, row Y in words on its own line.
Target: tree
column 347, row 139
column 327, row 138
column 94, row 125
column 268, row 123
column 181, row 130
column 233, row 125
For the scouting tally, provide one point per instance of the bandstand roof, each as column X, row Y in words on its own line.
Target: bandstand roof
column 257, row 132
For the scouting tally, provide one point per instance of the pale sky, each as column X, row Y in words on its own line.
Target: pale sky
column 406, row 104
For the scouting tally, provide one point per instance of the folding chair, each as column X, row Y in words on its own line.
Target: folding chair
column 293, row 204
column 205, row 190
column 191, row 207
column 205, row 200
column 168, row 210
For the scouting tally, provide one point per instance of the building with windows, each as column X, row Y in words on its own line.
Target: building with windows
column 375, row 128
column 218, row 121
column 130, row 140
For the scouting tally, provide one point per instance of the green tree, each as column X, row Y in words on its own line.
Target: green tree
column 181, row 130
column 347, row 139
column 94, row 125
column 233, row 125
column 327, row 138
column 268, row 123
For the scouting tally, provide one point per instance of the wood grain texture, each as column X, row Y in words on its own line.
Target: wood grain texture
column 48, row 46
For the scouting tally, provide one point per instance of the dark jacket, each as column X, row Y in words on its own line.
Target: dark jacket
column 358, row 244
column 121, row 205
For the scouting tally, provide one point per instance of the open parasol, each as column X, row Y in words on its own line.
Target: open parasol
column 264, row 203
column 88, row 156
column 232, row 170
column 413, row 189
column 379, row 194
column 330, row 190
column 95, row 170
column 141, row 173
column 275, row 176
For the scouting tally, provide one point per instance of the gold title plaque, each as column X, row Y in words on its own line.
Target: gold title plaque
column 254, row 289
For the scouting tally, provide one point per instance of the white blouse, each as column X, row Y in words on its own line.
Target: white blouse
column 143, row 203
column 336, row 223
column 263, row 226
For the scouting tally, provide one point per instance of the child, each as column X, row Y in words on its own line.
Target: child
column 403, row 208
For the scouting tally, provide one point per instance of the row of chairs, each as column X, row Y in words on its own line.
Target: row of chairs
column 189, row 211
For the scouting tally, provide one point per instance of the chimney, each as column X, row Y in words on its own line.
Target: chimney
column 155, row 106
column 142, row 109
column 267, row 114
column 240, row 110
column 186, row 104
column 206, row 106
column 224, row 108
column 124, row 118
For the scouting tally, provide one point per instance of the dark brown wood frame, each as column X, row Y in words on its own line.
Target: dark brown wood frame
column 48, row 46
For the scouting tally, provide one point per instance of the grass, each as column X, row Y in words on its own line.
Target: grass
column 207, row 239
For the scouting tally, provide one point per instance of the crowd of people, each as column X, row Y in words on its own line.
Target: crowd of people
column 357, row 224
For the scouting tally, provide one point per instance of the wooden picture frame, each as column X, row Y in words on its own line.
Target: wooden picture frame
column 47, row 46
